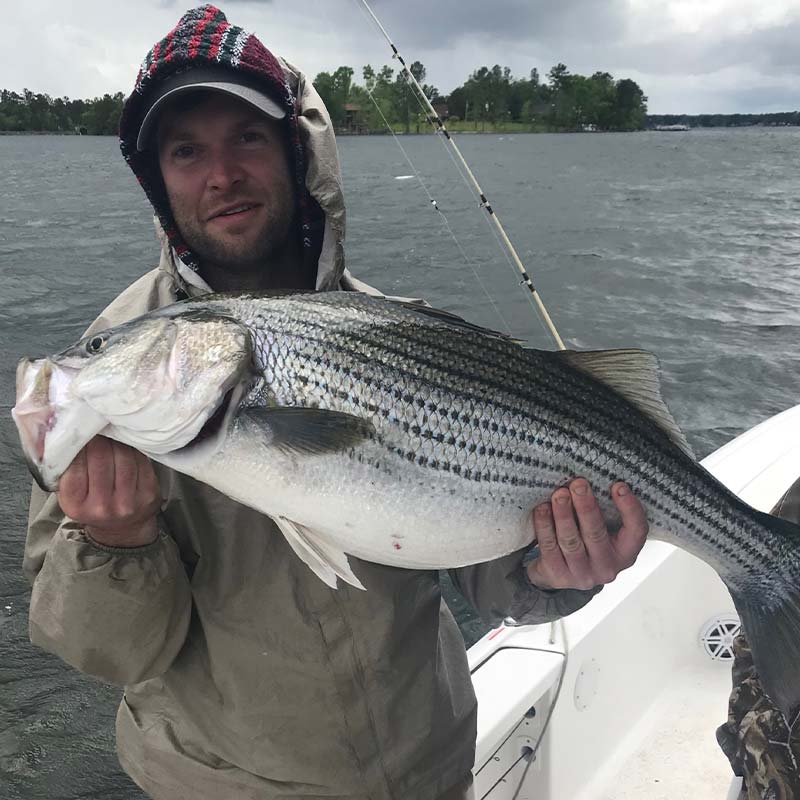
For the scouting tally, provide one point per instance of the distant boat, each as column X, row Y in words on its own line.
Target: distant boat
column 672, row 128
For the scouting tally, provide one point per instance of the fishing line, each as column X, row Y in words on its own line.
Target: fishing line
column 459, row 166
column 493, row 229
column 442, row 215
column 436, row 120
column 470, row 188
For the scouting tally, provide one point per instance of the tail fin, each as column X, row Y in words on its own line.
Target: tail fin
column 771, row 622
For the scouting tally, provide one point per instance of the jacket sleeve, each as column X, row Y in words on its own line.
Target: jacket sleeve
column 119, row 614
column 500, row 588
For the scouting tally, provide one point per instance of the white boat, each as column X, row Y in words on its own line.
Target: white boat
column 646, row 675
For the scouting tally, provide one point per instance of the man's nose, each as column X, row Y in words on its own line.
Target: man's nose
column 225, row 171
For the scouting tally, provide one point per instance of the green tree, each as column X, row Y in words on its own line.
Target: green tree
column 631, row 106
column 562, row 113
column 406, row 103
column 335, row 90
column 100, row 116
column 323, row 83
column 604, row 100
column 378, row 91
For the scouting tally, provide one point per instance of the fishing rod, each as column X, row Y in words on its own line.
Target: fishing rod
column 434, row 118
column 438, row 123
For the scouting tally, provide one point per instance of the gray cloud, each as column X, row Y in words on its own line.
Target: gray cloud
column 732, row 61
column 445, row 22
column 612, row 35
column 769, row 50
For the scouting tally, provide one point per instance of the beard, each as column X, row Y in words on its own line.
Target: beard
column 240, row 254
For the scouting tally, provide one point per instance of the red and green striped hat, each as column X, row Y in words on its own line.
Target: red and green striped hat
column 203, row 38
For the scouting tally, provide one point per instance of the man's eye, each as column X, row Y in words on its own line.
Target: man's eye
column 184, row 151
column 253, row 136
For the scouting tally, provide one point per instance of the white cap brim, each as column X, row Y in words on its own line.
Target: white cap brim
column 214, row 80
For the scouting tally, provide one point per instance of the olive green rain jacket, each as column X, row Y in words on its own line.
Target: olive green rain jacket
column 245, row 677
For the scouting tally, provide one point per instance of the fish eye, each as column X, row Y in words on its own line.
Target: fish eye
column 95, row 344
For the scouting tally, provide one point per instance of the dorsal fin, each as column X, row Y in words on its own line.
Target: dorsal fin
column 634, row 374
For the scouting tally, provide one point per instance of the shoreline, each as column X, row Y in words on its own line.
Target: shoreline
column 487, row 131
column 41, row 133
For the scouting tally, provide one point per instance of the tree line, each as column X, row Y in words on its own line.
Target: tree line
column 563, row 102
column 40, row 112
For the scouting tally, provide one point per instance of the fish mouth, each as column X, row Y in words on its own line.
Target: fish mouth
column 51, row 432
column 33, row 414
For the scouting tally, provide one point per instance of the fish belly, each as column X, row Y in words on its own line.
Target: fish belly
column 374, row 506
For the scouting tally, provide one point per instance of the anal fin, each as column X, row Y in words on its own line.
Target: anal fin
column 326, row 562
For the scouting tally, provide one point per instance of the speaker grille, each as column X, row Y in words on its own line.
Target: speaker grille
column 718, row 634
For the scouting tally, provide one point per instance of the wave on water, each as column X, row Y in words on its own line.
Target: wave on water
column 36, row 223
column 403, row 177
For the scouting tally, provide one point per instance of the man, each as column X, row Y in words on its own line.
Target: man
column 245, row 676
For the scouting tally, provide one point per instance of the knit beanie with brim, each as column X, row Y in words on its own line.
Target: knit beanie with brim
column 204, row 38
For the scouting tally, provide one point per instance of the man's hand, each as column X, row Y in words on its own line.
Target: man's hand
column 112, row 490
column 576, row 551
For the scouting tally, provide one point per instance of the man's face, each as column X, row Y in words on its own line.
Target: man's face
column 226, row 170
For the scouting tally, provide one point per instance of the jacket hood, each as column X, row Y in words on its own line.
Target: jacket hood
column 204, row 38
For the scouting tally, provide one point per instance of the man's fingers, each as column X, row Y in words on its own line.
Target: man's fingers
column 602, row 556
column 576, row 550
column 148, row 489
column 100, row 467
column 550, row 566
column 126, row 471
column 74, row 483
column 570, row 540
column 590, row 519
column 632, row 535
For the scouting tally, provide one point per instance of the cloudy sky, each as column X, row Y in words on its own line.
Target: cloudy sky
column 689, row 56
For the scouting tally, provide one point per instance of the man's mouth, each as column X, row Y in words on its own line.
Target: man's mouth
column 233, row 211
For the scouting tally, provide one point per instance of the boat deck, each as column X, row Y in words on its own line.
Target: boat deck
column 673, row 752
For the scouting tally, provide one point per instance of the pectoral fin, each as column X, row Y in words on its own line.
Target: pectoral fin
column 309, row 431
column 326, row 562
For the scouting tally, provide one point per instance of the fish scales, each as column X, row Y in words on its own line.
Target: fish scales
column 348, row 349
column 421, row 368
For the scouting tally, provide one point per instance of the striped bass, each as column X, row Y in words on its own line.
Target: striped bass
column 405, row 436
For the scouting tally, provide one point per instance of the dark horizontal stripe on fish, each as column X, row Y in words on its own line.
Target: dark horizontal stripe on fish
column 567, row 431
column 591, row 466
column 547, row 400
column 346, row 350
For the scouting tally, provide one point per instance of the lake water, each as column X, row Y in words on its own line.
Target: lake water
column 686, row 244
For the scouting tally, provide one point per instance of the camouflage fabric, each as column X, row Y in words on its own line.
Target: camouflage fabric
column 756, row 738
column 762, row 748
